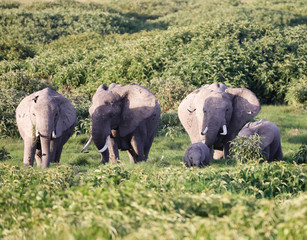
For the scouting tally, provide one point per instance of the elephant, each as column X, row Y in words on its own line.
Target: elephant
column 270, row 138
column 214, row 114
column 45, row 120
column 198, row 155
column 123, row 118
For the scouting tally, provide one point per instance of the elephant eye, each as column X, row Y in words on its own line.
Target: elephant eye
column 34, row 114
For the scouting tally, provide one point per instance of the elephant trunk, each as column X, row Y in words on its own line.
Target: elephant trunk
column 101, row 132
column 212, row 132
column 46, row 153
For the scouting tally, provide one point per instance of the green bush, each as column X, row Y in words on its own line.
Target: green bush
column 4, row 155
column 185, row 46
column 246, row 149
column 169, row 124
column 297, row 93
column 301, row 156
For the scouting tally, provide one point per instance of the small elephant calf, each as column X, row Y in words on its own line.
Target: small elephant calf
column 197, row 154
column 270, row 137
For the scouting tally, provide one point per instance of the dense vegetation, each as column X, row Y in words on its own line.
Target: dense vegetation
column 172, row 47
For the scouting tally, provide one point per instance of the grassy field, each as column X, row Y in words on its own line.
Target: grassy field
column 159, row 199
column 172, row 47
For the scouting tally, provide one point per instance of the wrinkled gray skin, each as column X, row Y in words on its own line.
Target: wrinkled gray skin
column 45, row 121
column 129, row 115
column 204, row 112
column 270, row 138
column 197, row 155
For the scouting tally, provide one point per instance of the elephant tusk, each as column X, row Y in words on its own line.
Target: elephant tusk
column 224, row 130
column 36, row 133
column 106, row 145
column 53, row 135
column 87, row 144
column 205, row 131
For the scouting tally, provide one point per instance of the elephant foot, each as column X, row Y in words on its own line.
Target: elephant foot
column 218, row 154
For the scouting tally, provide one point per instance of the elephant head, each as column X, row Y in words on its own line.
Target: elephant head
column 198, row 155
column 214, row 114
column 117, row 112
column 43, row 118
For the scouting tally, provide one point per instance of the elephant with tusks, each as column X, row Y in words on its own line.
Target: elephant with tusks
column 214, row 114
column 123, row 118
column 45, row 121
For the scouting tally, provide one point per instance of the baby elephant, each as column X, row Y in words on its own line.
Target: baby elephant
column 270, row 137
column 197, row 154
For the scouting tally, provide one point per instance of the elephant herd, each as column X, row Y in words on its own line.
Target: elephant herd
column 127, row 117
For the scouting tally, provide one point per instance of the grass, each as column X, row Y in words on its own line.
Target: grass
column 158, row 199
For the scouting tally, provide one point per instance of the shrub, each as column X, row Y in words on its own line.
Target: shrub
column 297, row 93
column 4, row 155
column 8, row 104
column 246, row 149
column 301, row 156
column 169, row 124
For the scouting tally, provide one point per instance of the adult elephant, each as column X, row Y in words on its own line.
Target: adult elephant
column 45, row 121
column 270, row 138
column 214, row 114
column 123, row 118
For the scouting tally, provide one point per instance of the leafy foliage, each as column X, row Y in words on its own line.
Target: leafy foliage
column 246, row 149
column 297, row 93
column 116, row 201
column 301, row 156
column 172, row 47
column 4, row 154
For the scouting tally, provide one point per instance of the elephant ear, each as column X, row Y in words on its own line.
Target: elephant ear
column 245, row 106
column 138, row 104
column 187, row 115
column 67, row 115
column 23, row 117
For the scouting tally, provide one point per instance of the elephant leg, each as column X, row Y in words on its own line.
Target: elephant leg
column 54, row 144
column 105, row 156
column 218, row 154
column 131, row 155
column 148, row 146
column 38, row 157
column 58, row 152
column 138, row 147
column 279, row 154
column 266, row 152
column 113, row 151
column 38, row 154
column 226, row 147
column 29, row 152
